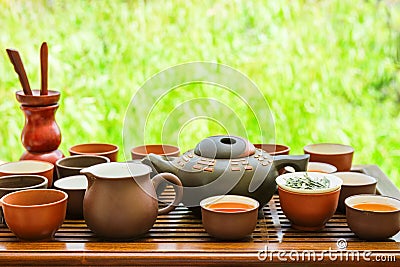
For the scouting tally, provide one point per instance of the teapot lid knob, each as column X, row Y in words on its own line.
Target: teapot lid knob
column 224, row 147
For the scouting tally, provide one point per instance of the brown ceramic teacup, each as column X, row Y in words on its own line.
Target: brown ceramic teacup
column 353, row 184
column 373, row 217
column 101, row 149
column 274, row 149
column 339, row 155
column 31, row 167
column 140, row 152
column 75, row 186
column 229, row 217
column 34, row 214
column 72, row 165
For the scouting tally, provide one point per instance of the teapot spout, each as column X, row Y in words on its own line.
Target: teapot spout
column 298, row 162
column 160, row 163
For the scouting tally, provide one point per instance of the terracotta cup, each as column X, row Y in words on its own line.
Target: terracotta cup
column 34, row 214
column 12, row 183
column 340, row 156
column 75, row 186
column 373, row 225
column 229, row 223
column 101, row 149
column 72, row 165
column 353, row 184
column 274, row 149
column 32, row 167
column 140, row 152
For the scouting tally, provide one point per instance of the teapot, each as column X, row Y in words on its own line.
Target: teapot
column 226, row 164
column 120, row 201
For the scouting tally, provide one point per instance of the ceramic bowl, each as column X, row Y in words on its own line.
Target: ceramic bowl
column 75, row 186
column 338, row 155
column 72, row 165
column 101, row 149
column 373, row 225
column 308, row 211
column 274, row 149
column 34, row 214
column 229, row 225
column 335, row 182
column 140, row 152
column 32, row 167
column 354, row 183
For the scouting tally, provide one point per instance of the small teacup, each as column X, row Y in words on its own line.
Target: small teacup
column 29, row 167
column 140, row 152
column 353, row 184
column 72, row 165
column 101, row 149
column 75, row 187
column 229, row 217
column 34, row 214
column 12, row 183
column 338, row 155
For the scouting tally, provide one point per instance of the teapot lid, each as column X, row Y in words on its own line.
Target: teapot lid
column 224, row 147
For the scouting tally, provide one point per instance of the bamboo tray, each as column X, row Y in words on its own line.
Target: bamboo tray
column 179, row 239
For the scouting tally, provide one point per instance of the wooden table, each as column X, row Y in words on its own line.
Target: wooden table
column 179, row 239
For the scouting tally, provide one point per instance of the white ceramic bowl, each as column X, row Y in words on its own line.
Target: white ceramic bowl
column 335, row 182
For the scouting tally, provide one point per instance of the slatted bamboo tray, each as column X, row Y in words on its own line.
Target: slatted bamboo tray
column 179, row 238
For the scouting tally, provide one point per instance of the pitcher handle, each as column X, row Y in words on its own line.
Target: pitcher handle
column 178, row 190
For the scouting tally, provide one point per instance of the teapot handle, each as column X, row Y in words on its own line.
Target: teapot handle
column 158, row 179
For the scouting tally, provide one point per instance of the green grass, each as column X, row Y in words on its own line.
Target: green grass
column 326, row 68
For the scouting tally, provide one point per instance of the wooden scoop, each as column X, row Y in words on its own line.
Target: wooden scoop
column 20, row 70
column 44, row 68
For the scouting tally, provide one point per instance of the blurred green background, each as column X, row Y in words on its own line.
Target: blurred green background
column 328, row 69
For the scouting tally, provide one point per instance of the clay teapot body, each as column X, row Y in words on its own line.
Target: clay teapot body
column 120, row 201
column 226, row 165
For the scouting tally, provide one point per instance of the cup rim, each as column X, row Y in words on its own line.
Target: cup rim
column 309, row 194
column 372, row 181
column 348, row 199
column 218, row 198
column 175, row 149
column 113, row 149
column 338, row 183
column 79, row 156
column 350, row 149
column 44, row 182
column 49, row 166
column 63, row 179
column 285, row 148
column 5, row 203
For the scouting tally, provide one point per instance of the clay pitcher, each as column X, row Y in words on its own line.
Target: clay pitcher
column 120, row 201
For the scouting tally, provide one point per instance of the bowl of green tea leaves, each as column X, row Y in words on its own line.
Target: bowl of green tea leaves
column 309, row 182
